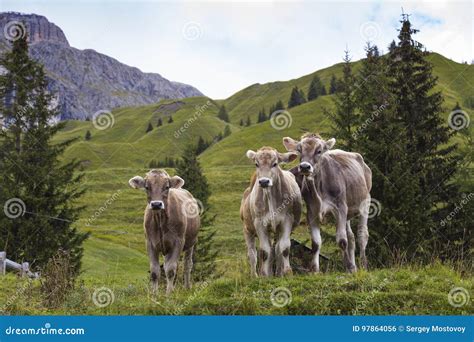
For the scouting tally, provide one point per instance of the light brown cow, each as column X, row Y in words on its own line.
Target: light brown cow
column 272, row 204
column 171, row 223
column 338, row 182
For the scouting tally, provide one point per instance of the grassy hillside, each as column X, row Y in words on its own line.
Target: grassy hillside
column 115, row 253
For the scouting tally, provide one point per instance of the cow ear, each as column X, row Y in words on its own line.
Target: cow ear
column 330, row 143
column 251, row 154
column 287, row 157
column 137, row 182
column 290, row 144
column 176, row 182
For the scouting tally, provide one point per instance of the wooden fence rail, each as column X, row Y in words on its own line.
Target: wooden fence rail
column 24, row 268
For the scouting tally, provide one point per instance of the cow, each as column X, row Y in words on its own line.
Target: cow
column 271, row 204
column 338, row 182
column 171, row 223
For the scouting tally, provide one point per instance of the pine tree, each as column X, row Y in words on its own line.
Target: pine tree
column 345, row 118
column 170, row 120
column 88, row 135
column 201, row 145
column 431, row 161
column 227, row 131
column 223, row 115
column 333, row 85
column 149, row 127
column 315, row 88
column 279, row 105
column 205, row 254
column 296, row 98
column 241, row 123
column 31, row 174
column 160, row 122
column 248, row 122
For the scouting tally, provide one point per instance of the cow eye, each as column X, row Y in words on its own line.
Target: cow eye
column 318, row 152
column 256, row 164
column 274, row 164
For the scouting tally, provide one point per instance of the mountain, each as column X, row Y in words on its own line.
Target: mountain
column 87, row 81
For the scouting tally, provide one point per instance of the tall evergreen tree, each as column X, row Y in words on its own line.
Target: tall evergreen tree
column 160, row 122
column 432, row 162
column 241, row 123
column 223, row 115
column 37, row 191
column 333, row 85
column 227, row 131
column 248, row 122
column 170, row 119
column 279, row 105
column 88, row 135
column 205, row 254
column 345, row 118
column 149, row 127
column 296, row 98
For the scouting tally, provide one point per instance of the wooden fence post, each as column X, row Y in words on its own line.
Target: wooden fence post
column 25, row 268
column 3, row 262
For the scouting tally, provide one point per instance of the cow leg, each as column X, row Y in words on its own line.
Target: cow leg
column 153, row 256
column 171, row 266
column 341, row 236
column 188, row 266
column 363, row 234
column 351, row 244
column 266, row 265
column 316, row 240
column 251, row 253
column 282, row 248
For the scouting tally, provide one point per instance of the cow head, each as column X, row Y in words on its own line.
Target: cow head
column 310, row 148
column 266, row 161
column 156, row 184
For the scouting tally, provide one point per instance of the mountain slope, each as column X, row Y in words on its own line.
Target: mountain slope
column 86, row 81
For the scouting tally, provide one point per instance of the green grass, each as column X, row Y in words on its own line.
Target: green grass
column 115, row 253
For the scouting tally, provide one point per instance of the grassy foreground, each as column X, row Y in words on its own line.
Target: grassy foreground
column 407, row 290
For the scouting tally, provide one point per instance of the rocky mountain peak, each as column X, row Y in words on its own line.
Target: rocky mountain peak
column 39, row 28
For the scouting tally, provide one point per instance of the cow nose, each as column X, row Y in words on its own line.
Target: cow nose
column 157, row 205
column 305, row 167
column 264, row 182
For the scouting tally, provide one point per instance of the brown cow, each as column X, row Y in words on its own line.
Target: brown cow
column 272, row 204
column 333, row 181
column 171, row 225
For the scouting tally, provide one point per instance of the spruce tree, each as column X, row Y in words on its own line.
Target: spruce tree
column 296, row 98
column 432, row 162
column 279, row 105
column 160, row 122
column 345, row 118
column 170, row 119
column 333, row 85
column 223, row 115
column 241, row 123
column 88, row 135
column 248, row 122
column 32, row 177
column 205, row 254
column 149, row 127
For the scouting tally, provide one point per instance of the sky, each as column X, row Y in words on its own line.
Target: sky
column 221, row 47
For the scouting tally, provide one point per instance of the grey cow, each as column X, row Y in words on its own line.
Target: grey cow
column 171, row 223
column 338, row 182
